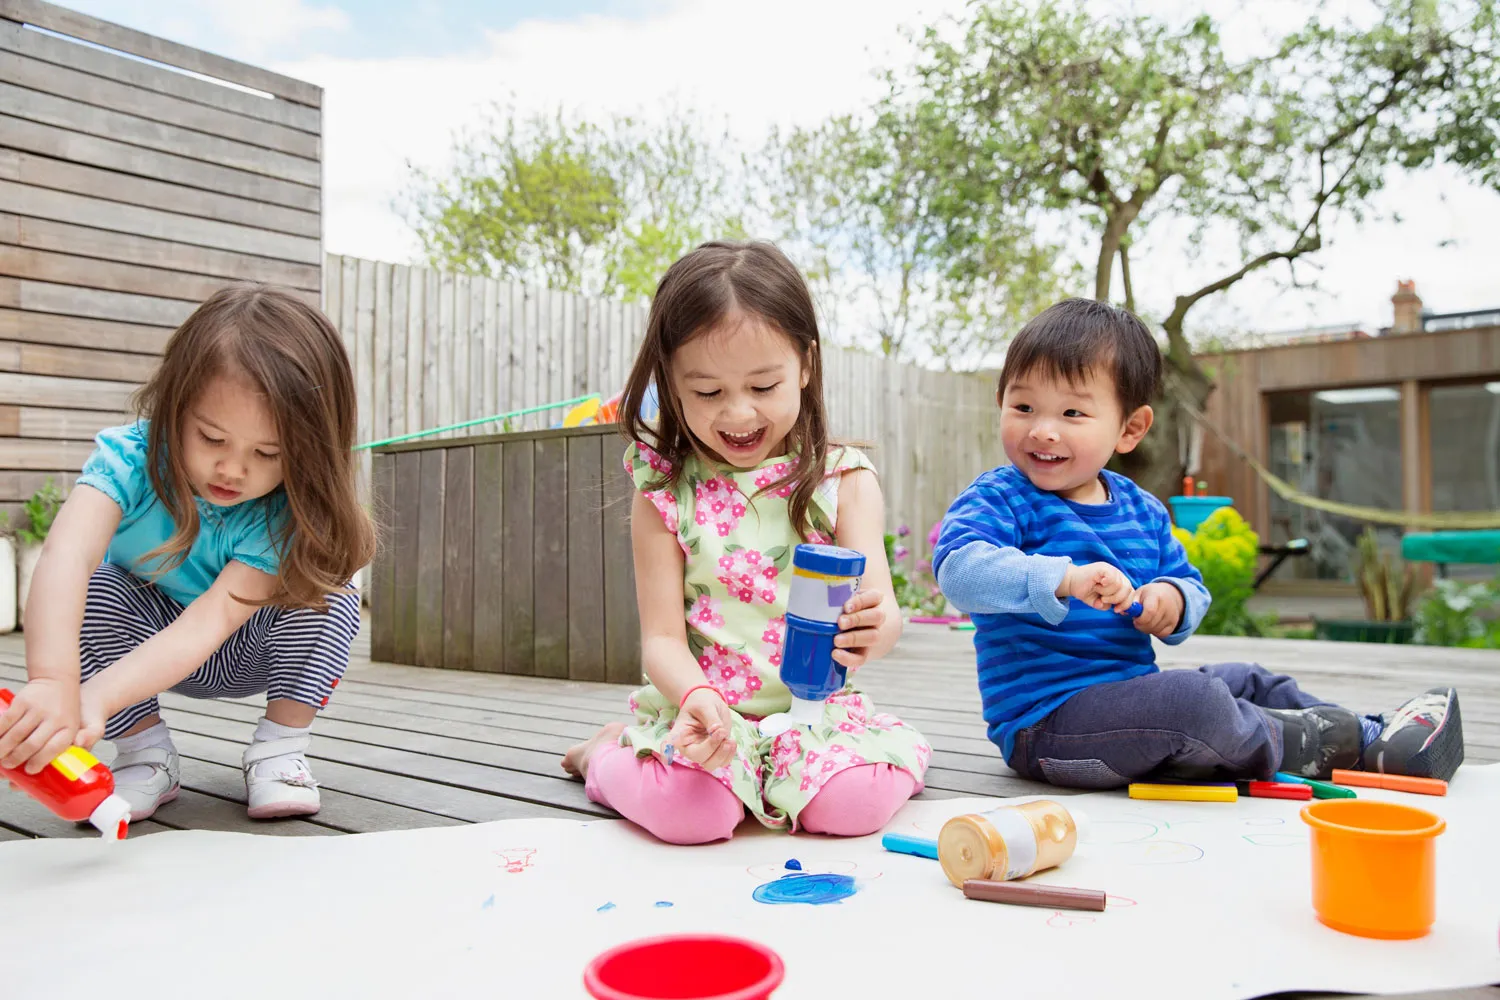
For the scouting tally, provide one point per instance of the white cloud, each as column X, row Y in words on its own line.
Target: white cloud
column 258, row 29
column 782, row 62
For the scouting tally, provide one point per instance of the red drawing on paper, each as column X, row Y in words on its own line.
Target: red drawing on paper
column 515, row 859
column 1113, row 902
column 1060, row 919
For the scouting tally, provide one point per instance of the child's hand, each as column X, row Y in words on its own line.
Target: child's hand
column 861, row 621
column 41, row 723
column 704, row 730
column 1163, row 608
column 1099, row 585
column 92, row 715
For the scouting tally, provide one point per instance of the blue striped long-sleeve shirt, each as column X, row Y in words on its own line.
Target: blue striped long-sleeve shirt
column 1001, row 554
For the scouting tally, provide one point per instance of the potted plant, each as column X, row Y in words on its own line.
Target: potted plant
column 1387, row 586
column 41, row 510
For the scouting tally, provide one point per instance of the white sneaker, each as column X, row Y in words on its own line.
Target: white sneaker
column 161, row 787
column 277, row 779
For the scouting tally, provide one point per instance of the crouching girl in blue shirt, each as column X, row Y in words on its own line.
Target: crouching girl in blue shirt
column 207, row 549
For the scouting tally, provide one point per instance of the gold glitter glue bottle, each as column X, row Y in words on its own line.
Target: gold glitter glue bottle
column 1007, row 843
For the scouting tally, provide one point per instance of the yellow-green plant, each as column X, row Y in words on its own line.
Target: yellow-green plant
column 1224, row 550
column 1385, row 582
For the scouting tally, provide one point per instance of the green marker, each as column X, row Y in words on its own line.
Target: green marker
column 1321, row 789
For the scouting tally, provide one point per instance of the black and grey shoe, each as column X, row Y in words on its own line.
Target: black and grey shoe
column 1423, row 739
column 1316, row 741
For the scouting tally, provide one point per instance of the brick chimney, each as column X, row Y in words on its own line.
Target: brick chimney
column 1408, row 308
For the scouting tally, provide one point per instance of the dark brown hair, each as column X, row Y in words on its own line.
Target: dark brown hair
column 698, row 292
column 290, row 352
column 1072, row 338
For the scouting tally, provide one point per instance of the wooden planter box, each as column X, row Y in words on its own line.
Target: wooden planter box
column 508, row 553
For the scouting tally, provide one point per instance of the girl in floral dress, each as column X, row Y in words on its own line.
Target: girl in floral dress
column 735, row 472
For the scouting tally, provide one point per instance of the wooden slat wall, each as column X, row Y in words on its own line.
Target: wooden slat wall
column 1245, row 378
column 510, row 554
column 432, row 349
column 129, row 192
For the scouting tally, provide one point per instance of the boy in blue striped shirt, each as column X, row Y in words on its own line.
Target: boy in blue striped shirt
column 1050, row 553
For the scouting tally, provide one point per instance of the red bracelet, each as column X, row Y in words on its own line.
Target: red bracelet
column 699, row 687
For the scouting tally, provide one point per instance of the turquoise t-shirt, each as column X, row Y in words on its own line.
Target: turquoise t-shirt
column 117, row 468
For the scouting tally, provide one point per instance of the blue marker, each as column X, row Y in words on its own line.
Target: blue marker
column 919, row 847
column 667, row 751
column 1135, row 610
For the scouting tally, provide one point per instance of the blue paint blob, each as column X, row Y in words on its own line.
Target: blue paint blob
column 605, row 908
column 813, row 889
column 488, row 904
column 662, row 904
column 792, row 864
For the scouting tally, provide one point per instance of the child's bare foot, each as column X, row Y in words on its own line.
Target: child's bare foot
column 576, row 760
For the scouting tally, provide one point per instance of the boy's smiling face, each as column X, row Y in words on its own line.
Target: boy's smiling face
column 1061, row 433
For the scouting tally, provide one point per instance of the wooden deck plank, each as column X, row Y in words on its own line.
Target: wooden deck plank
column 400, row 747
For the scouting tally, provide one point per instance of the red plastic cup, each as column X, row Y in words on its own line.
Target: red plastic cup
column 685, row 967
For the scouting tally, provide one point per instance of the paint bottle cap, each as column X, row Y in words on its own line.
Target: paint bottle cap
column 805, row 712
column 969, row 847
column 111, row 818
column 828, row 560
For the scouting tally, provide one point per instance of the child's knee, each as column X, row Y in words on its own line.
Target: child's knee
column 700, row 813
column 1188, row 699
column 676, row 804
column 857, row 801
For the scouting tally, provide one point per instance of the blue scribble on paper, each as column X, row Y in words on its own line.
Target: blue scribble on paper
column 805, row 888
column 488, row 904
column 662, row 904
column 605, row 908
column 793, row 865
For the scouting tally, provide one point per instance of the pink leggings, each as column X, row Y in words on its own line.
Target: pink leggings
column 683, row 805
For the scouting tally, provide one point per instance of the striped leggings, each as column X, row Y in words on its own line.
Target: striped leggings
column 298, row 655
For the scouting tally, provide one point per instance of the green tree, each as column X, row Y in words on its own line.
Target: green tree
column 855, row 201
column 597, row 207
column 1108, row 126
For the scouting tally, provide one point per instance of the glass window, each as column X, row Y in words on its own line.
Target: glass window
column 1337, row 444
column 1464, row 427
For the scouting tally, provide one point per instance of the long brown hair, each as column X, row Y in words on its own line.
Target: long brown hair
column 291, row 353
column 696, row 294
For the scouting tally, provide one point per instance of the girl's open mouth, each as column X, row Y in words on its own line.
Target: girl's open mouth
column 742, row 442
column 220, row 493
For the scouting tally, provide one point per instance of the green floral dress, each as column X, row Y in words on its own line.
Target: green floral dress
column 734, row 593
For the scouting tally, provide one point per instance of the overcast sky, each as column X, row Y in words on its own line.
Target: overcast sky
column 399, row 76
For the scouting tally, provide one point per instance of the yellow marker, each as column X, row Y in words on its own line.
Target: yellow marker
column 1185, row 793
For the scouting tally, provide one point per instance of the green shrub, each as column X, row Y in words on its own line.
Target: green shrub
column 41, row 510
column 1454, row 613
column 915, row 588
column 1224, row 550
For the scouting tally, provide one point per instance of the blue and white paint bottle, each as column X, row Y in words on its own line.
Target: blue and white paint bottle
column 824, row 578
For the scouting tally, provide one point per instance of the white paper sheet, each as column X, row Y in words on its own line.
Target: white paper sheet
column 1208, row 901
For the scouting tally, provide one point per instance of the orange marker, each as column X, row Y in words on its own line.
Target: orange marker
column 76, row 786
column 1391, row 782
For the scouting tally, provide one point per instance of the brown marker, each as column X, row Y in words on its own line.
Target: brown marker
column 1021, row 894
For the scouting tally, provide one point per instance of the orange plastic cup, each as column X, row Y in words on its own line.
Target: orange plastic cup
column 1374, row 867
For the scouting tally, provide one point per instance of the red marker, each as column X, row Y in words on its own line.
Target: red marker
column 1275, row 790
column 75, row 786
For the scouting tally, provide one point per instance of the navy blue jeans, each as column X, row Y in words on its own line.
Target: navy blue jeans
column 1204, row 723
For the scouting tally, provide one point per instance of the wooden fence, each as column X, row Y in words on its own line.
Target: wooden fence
column 129, row 191
column 432, row 349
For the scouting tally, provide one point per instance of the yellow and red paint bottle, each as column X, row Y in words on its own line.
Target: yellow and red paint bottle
column 76, row 786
